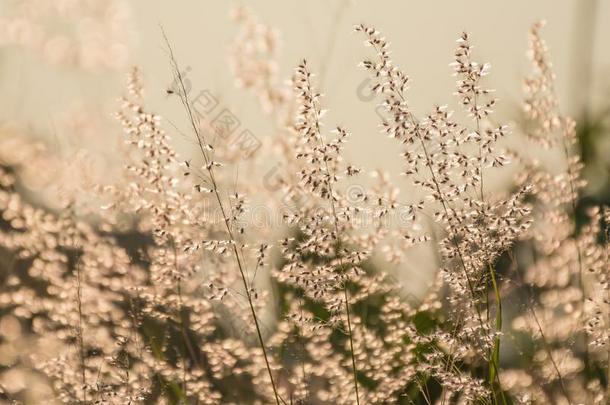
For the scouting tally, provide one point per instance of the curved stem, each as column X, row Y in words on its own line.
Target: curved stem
column 200, row 141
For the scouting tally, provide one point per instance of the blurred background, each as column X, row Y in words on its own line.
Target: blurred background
column 63, row 65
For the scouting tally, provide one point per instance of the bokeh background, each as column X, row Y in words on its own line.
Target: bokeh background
column 65, row 60
column 63, row 65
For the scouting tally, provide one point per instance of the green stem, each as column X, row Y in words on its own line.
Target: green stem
column 494, row 359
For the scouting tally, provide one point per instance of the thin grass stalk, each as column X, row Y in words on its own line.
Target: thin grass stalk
column 545, row 343
column 607, row 256
column 565, row 141
column 81, row 344
column 429, row 165
column 494, row 356
column 341, row 265
column 200, row 141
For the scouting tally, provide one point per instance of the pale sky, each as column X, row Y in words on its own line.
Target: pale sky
column 42, row 98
